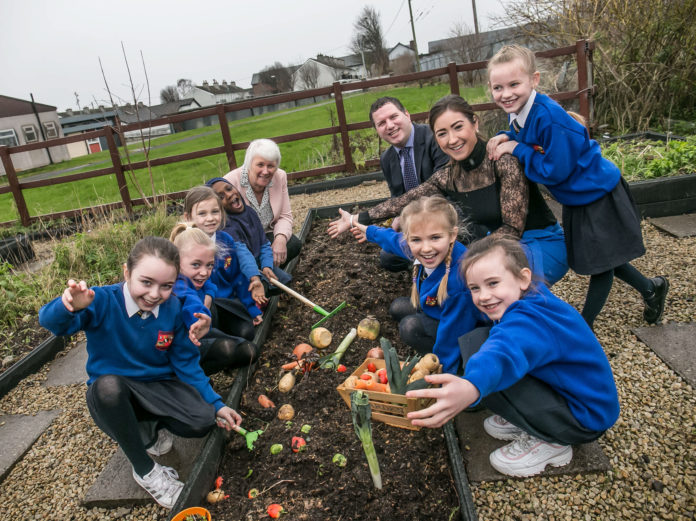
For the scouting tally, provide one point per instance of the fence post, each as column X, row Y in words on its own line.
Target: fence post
column 226, row 137
column 343, row 125
column 454, row 80
column 14, row 186
column 118, row 169
column 582, row 50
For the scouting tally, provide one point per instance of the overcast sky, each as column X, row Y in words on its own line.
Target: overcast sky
column 52, row 48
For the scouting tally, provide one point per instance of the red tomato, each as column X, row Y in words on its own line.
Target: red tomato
column 298, row 444
column 366, row 376
column 382, row 376
column 274, row 510
column 341, row 368
column 371, row 367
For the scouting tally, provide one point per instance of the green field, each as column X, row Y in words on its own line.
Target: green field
column 298, row 155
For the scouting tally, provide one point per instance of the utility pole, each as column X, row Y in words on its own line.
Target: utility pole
column 415, row 42
column 38, row 120
column 473, row 6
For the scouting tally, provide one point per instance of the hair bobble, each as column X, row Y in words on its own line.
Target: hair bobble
column 414, row 279
column 447, row 270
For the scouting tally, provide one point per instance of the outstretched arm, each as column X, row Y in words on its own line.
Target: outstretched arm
column 342, row 224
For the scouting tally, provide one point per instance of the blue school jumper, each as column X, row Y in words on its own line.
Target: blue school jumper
column 457, row 315
column 231, row 250
column 150, row 349
column 545, row 337
column 230, row 276
column 192, row 299
column 557, row 151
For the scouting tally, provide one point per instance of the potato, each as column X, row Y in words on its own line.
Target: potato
column 416, row 375
column 350, row 382
column 286, row 412
column 320, row 337
column 428, row 364
column 286, row 383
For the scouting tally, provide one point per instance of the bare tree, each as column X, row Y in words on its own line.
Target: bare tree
column 169, row 94
column 309, row 75
column 368, row 39
column 185, row 88
column 277, row 76
column 465, row 46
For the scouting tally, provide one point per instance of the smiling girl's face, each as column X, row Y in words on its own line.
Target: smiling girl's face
column 150, row 281
column 197, row 262
column 207, row 215
column 429, row 239
column 493, row 286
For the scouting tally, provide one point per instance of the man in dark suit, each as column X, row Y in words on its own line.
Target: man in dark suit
column 412, row 157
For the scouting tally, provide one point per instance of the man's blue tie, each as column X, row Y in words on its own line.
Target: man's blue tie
column 410, row 177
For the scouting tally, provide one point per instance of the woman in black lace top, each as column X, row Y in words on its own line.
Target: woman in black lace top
column 494, row 197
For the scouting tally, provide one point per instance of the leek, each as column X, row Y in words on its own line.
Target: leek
column 396, row 374
column 331, row 361
column 361, row 412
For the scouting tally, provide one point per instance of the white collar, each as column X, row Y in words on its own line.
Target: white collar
column 132, row 308
column 522, row 116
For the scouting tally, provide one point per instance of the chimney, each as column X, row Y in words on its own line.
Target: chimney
column 224, row 82
column 205, row 83
column 412, row 45
column 215, row 81
column 233, row 84
column 69, row 112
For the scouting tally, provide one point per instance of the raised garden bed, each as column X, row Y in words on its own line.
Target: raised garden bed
column 421, row 470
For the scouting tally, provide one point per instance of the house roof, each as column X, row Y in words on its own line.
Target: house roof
column 329, row 61
column 18, row 107
column 83, row 117
column 127, row 113
column 221, row 88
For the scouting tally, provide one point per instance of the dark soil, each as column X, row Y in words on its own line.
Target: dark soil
column 417, row 484
column 18, row 342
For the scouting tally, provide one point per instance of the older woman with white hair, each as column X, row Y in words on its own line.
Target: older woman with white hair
column 264, row 188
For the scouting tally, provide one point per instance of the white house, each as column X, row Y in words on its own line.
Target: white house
column 400, row 50
column 19, row 125
column 321, row 71
column 215, row 93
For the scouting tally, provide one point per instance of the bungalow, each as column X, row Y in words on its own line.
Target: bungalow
column 19, row 125
column 212, row 94
column 321, row 71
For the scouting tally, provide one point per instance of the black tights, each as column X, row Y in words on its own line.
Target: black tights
column 228, row 353
column 416, row 329
column 600, row 286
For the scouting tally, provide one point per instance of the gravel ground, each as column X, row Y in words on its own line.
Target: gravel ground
column 651, row 447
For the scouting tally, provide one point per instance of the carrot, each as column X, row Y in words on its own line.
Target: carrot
column 291, row 365
column 372, row 385
column 265, row 401
column 360, row 384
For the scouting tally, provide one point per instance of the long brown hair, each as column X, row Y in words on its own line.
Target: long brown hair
column 431, row 206
column 514, row 258
column 198, row 194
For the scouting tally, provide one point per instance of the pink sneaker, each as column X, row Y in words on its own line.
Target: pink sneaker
column 528, row 456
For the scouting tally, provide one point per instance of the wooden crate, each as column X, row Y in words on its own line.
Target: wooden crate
column 386, row 407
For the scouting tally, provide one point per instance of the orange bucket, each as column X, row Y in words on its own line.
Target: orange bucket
column 181, row 516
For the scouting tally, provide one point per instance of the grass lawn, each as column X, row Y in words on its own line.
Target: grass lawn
column 298, row 155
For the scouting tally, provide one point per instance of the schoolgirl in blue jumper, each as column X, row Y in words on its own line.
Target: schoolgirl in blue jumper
column 145, row 381
column 228, row 344
column 244, row 225
column 600, row 219
column 439, row 310
column 540, row 368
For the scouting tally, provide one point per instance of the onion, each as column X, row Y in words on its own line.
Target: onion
column 375, row 352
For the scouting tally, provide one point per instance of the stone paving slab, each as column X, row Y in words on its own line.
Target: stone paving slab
column 476, row 445
column 18, row 432
column 678, row 225
column 115, row 486
column 68, row 368
column 675, row 344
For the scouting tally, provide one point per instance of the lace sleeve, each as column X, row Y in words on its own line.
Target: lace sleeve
column 393, row 206
column 514, row 196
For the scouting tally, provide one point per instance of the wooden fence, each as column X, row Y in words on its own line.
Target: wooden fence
column 582, row 51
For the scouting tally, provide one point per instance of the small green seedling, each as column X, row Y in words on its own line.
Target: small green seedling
column 276, row 448
column 306, row 428
column 339, row 460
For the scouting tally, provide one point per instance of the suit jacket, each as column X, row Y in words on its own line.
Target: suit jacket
column 428, row 156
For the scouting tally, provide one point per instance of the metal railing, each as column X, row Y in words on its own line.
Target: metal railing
column 582, row 51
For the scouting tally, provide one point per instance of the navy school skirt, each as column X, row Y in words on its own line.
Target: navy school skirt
column 604, row 234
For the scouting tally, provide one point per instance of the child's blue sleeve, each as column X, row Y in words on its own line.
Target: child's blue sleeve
column 552, row 154
column 266, row 255
column 389, row 240
column 190, row 303
column 209, row 288
column 244, row 295
column 247, row 263
column 55, row 317
column 185, row 359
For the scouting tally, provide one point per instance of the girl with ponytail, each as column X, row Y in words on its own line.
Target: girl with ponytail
column 440, row 309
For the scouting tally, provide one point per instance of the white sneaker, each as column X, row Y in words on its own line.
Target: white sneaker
column 162, row 484
column 165, row 440
column 501, row 429
column 527, row 456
